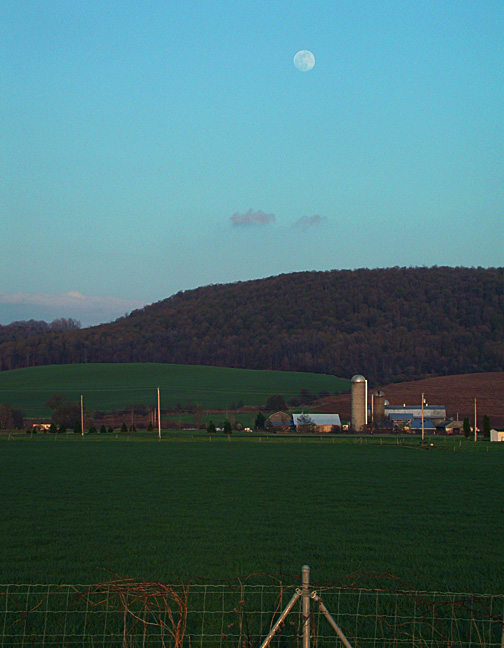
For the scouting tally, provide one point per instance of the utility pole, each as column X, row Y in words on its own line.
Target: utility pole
column 423, row 426
column 475, row 419
column 81, row 416
column 159, row 413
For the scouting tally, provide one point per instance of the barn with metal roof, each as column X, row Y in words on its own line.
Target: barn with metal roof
column 321, row 422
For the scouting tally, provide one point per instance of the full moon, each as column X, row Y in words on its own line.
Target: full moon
column 304, row 60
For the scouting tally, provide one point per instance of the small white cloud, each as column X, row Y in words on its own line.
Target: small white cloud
column 252, row 218
column 310, row 221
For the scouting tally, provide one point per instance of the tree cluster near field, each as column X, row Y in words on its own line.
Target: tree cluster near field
column 389, row 324
column 11, row 418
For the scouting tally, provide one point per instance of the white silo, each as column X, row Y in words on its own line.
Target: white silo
column 359, row 403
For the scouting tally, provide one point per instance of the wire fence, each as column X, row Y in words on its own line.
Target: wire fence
column 240, row 614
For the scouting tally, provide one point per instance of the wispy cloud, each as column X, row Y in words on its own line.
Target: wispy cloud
column 70, row 299
column 310, row 221
column 87, row 308
column 252, row 218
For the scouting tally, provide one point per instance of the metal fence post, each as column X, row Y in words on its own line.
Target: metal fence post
column 305, row 594
column 305, row 578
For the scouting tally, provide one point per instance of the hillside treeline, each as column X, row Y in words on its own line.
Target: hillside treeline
column 32, row 328
column 388, row 324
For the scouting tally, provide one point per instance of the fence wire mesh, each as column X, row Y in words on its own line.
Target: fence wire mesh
column 130, row 614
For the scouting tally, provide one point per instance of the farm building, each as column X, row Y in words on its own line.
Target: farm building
column 317, row 423
column 41, row 427
column 416, row 426
column 450, row 426
column 496, row 435
column 279, row 422
column 383, row 415
column 436, row 413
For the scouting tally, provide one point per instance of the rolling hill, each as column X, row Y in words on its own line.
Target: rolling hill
column 391, row 325
column 117, row 386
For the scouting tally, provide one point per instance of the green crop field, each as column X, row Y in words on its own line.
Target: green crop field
column 115, row 386
column 78, row 509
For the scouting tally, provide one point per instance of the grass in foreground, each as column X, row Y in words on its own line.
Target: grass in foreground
column 74, row 509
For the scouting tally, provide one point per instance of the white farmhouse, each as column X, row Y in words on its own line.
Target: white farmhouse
column 496, row 435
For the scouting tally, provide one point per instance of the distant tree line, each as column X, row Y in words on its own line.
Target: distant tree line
column 389, row 324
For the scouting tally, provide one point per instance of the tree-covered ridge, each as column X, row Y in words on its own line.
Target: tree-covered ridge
column 389, row 324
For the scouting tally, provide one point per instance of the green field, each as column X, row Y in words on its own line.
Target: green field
column 76, row 509
column 115, row 386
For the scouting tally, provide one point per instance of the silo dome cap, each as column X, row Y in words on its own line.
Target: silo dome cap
column 379, row 392
column 358, row 379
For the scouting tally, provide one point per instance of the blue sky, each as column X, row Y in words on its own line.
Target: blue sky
column 151, row 147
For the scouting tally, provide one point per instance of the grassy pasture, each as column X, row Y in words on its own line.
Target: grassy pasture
column 74, row 508
column 115, row 386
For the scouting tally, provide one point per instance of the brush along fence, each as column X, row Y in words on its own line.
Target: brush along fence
column 124, row 613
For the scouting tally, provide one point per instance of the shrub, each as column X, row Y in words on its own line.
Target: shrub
column 10, row 417
column 260, row 421
column 306, row 396
column 486, row 426
column 276, row 403
column 103, row 429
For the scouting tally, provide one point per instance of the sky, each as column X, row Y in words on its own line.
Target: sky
column 148, row 147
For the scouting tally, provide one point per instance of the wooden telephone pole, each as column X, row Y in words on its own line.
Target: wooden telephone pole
column 475, row 419
column 423, row 424
column 81, row 416
column 159, row 413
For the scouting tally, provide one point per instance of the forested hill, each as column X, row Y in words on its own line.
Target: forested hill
column 388, row 324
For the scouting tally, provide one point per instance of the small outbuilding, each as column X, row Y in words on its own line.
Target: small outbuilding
column 41, row 427
column 450, row 426
column 496, row 435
